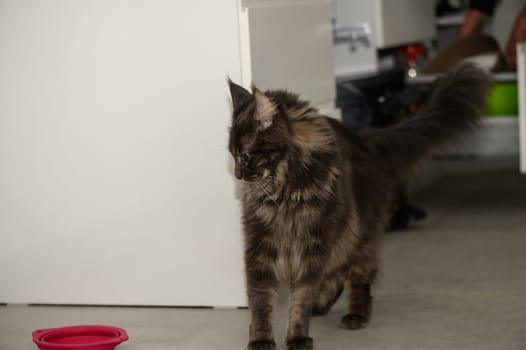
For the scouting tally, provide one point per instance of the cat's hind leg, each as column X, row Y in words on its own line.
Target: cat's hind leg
column 361, row 276
column 330, row 290
column 360, row 308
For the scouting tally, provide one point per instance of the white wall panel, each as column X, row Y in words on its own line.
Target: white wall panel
column 115, row 184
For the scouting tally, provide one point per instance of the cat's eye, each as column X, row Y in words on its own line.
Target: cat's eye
column 245, row 158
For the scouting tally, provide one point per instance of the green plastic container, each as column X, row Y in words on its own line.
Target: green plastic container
column 503, row 100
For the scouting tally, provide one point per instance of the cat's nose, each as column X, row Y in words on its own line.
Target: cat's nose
column 237, row 172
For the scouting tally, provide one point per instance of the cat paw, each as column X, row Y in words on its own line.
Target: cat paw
column 299, row 343
column 353, row 321
column 261, row 345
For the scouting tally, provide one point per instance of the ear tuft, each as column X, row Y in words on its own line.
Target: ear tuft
column 265, row 109
column 239, row 94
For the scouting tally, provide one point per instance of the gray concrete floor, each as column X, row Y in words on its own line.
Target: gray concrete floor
column 455, row 281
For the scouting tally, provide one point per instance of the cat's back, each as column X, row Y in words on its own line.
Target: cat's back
column 349, row 142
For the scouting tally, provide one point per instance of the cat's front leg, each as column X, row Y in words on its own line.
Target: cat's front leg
column 302, row 296
column 262, row 290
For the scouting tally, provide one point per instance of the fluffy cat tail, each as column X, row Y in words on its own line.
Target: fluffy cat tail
column 453, row 109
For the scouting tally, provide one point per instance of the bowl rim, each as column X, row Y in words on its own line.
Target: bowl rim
column 40, row 334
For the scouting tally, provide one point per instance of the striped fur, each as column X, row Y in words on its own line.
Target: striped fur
column 316, row 197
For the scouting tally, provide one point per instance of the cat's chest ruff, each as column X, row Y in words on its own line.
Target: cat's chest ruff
column 286, row 219
column 290, row 251
column 288, row 224
column 289, row 231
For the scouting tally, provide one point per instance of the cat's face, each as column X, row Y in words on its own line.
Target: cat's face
column 258, row 137
column 255, row 161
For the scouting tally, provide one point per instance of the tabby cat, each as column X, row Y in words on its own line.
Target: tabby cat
column 316, row 196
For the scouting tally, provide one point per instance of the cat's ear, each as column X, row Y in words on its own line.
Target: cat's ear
column 265, row 109
column 239, row 94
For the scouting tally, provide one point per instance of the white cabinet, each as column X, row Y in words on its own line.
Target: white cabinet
column 354, row 42
column 288, row 44
column 392, row 22
column 375, row 24
column 115, row 185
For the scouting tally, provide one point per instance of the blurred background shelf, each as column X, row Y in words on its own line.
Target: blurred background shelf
column 498, row 136
column 454, row 20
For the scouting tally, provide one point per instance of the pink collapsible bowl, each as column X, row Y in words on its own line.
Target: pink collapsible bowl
column 79, row 338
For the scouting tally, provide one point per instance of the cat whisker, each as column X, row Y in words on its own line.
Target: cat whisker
column 266, row 191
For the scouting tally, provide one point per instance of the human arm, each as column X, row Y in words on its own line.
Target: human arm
column 478, row 12
column 517, row 35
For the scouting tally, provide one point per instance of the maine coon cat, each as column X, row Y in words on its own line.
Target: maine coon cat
column 316, row 197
